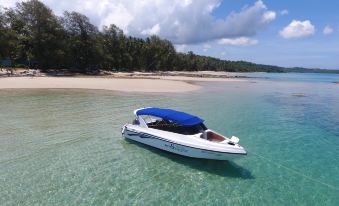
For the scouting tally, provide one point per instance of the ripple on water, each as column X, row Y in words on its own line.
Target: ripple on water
column 64, row 147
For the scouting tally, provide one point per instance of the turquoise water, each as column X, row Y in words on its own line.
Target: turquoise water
column 64, row 147
column 301, row 77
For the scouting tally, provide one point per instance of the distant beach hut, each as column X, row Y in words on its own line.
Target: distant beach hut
column 5, row 63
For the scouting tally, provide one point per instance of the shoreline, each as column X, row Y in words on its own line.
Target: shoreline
column 20, row 72
column 152, row 85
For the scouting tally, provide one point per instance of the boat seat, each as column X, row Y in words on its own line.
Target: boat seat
column 213, row 137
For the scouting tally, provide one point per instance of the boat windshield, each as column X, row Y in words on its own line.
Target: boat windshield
column 167, row 125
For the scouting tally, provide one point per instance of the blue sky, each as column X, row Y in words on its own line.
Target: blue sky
column 277, row 32
column 317, row 50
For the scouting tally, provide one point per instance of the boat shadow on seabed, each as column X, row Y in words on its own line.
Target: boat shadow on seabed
column 217, row 167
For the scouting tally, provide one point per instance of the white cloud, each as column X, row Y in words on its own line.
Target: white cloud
column 151, row 31
column 328, row 30
column 284, row 12
column 181, row 47
column 206, row 47
column 7, row 3
column 187, row 2
column 298, row 29
column 268, row 16
column 118, row 14
column 239, row 41
column 181, row 21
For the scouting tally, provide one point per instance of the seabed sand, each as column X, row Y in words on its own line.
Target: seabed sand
column 155, row 84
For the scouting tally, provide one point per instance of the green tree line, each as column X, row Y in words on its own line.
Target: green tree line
column 32, row 35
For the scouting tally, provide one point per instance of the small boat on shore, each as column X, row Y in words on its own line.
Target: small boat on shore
column 180, row 133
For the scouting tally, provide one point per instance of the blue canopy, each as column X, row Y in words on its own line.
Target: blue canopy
column 170, row 114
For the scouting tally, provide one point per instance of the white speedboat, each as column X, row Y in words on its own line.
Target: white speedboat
column 180, row 133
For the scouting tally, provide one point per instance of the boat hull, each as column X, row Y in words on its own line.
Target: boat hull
column 178, row 148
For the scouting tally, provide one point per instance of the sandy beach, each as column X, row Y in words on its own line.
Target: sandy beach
column 125, row 85
column 119, row 82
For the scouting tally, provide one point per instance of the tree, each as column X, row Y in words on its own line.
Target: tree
column 159, row 54
column 112, row 40
column 81, row 42
column 6, row 38
column 38, row 33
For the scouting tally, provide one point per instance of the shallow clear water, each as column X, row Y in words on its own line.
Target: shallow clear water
column 64, row 147
column 301, row 77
